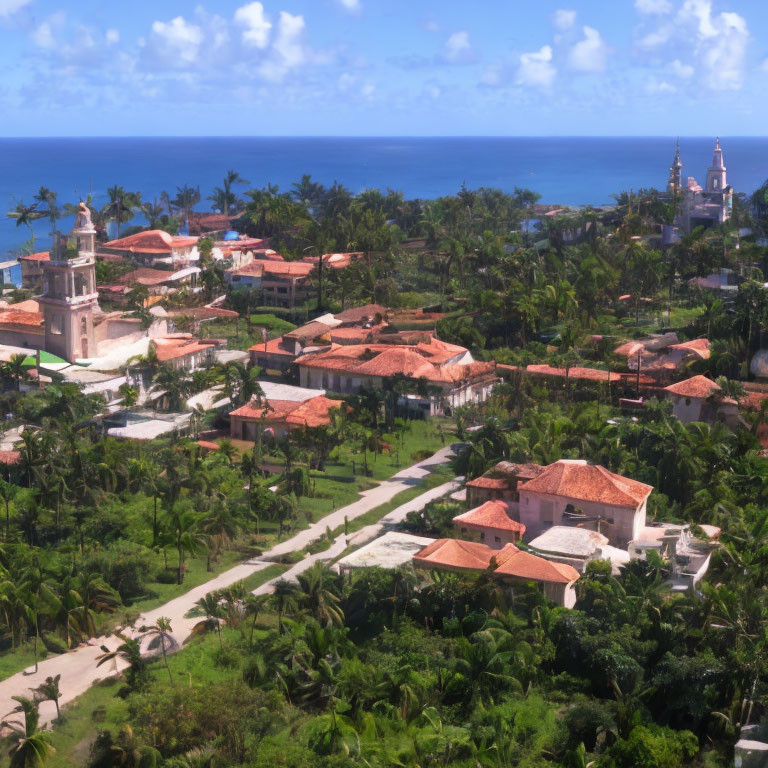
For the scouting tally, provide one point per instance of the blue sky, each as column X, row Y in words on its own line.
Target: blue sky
column 383, row 67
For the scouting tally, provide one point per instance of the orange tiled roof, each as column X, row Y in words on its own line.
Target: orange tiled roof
column 29, row 305
column 524, row 565
column 203, row 313
column 462, row 555
column 144, row 276
column 10, row 457
column 209, row 445
column 427, row 361
column 699, row 347
column 577, row 372
column 697, row 386
column 180, row 345
column 356, row 314
column 492, row 514
column 151, row 241
column 588, row 482
column 493, row 483
column 273, row 347
column 11, row 318
column 314, row 412
column 629, row 349
column 40, row 256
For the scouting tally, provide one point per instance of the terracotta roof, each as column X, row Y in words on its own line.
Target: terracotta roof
column 11, row 319
column 314, row 412
column 308, row 331
column 496, row 483
column 588, row 482
column 10, row 457
column 492, row 514
column 355, row 314
column 208, row 445
column 151, row 241
column 287, row 268
column 180, row 345
column 40, row 256
column 524, row 565
column 427, row 361
column 576, row 372
column 629, row 349
column 273, row 347
column 144, row 276
column 462, row 555
column 700, row 347
column 697, row 386
column 203, row 313
column 29, row 305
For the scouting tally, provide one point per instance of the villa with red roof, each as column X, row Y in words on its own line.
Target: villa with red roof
column 500, row 482
column 32, row 271
column 491, row 524
column 701, row 399
column 507, row 564
column 152, row 248
column 281, row 416
column 447, row 369
column 573, row 492
column 183, row 350
column 281, row 283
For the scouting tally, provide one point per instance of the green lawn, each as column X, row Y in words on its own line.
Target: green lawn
column 238, row 335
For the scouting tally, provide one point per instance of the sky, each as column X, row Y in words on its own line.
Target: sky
column 383, row 67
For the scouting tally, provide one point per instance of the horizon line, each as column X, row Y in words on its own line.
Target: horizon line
column 384, row 136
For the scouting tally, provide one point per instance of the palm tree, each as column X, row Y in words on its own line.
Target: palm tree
column 15, row 369
column 285, row 598
column 39, row 599
column 47, row 197
column 161, row 630
column 186, row 199
column 49, row 691
column 319, row 585
column 96, row 596
column 128, row 651
column 7, row 494
column 29, row 747
column 223, row 198
column 210, row 605
column 183, row 528
column 253, row 606
column 25, row 215
column 121, row 206
column 152, row 212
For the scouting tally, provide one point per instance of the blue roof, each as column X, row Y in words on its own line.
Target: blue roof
column 232, row 235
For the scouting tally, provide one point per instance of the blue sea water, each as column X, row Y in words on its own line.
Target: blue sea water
column 570, row 171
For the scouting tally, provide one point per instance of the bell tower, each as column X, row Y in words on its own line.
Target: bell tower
column 716, row 175
column 675, row 184
column 69, row 292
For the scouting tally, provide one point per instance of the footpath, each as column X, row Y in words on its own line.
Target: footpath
column 78, row 668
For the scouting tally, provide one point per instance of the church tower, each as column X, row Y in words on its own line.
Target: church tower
column 675, row 184
column 716, row 176
column 69, row 292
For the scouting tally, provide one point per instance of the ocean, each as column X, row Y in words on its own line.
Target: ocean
column 568, row 171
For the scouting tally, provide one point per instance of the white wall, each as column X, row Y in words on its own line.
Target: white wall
column 687, row 408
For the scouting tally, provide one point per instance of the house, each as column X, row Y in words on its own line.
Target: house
column 22, row 325
column 152, row 248
column 281, row 416
column 280, row 283
column 158, row 283
column 577, row 493
column 184, row 351
column 32, row 272
column 491, row 524
column 335, row 260
column 500, row 482
column 701, row 399
column 509, row 565
column 662, row 356
column 239, row 251
column 443, row 373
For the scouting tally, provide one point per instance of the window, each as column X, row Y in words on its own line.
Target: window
column 482, row 535
column 463, row 530
column 497, row 539
column 282, row 290
column 57, row 324
column 84, row 326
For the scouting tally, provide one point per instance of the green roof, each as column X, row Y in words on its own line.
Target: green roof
column 45, row 357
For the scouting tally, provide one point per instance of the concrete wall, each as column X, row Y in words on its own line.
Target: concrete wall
column 246, row 429
column 687, row 408
column 494, row 538
column 539, row 512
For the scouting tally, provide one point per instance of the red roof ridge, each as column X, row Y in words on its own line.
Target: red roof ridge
column 696, row 386
column 492, row 514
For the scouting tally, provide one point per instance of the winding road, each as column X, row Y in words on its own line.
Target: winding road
column 78, row 668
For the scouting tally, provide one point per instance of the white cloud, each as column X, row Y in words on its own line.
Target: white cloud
column 8, row 7
column 368, row 90
column 177, row 39
column 721, row 43
column 659, row 87
column 351, row 5
column 458, row 48
column 42, row 35
column 563, row 19
column 683, row 71
column 536, row 68
column 589, row 54
column 653, row 7
column 112, row 36
column 256, row 26
column 657, row 37
column 288, row 48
